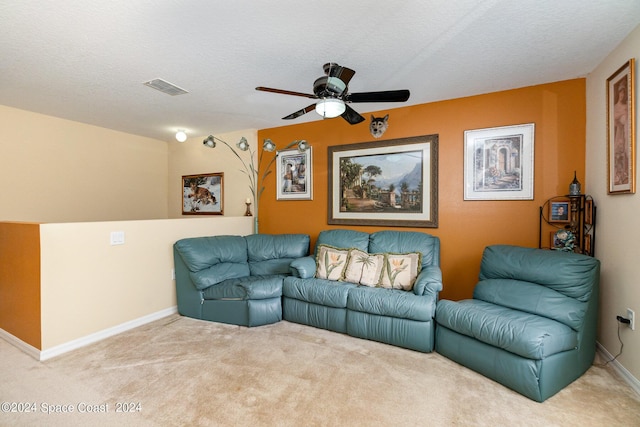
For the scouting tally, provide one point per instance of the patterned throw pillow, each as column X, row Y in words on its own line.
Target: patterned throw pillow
column 400, row 270
column 363, row 268
column 330, row 262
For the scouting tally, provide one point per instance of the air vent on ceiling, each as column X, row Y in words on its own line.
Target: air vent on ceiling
column 165, row 87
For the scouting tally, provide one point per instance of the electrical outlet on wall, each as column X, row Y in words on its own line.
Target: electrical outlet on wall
column 631, row 315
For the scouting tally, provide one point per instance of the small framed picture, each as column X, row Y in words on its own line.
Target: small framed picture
column 588, row 212
column 559, row 211
column 202, row 194
column 294, row 175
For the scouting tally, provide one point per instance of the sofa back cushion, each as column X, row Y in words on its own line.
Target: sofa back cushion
column 568, row 273
column 402, row 242
column 345, row 239
column 212, row 259
column 272, row 253
column 556, row 285
column 532, row 298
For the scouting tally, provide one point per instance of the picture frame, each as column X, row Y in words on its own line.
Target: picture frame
column 499, row 163
column 621, row 131
column 559, row 211
column 384, row 183
column 294, row 173
column 202, row 194
column 588, row 212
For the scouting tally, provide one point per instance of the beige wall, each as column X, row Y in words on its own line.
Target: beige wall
column 88, row 285
column 56, row 170
column 618, row 223
column 191, row 157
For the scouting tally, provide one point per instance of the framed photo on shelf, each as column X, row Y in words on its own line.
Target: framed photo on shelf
column 498, row 163
column 621, row 130
column 588, row 212
column 294, row 175
column 559, row 211
column 386, row 183
column 202, row 194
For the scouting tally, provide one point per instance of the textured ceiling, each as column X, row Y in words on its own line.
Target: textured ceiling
column 87, row 60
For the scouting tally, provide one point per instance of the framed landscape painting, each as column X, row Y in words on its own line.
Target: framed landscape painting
column 392, row 183
column 498, row 163
column 202, row 194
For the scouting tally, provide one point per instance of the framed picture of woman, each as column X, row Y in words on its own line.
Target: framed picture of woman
column 621, row 131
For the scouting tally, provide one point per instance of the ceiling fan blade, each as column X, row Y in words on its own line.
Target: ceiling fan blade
column 383, row 96
column 286, row 92
column 332, row 69
column 352, row 116
column 300, row 112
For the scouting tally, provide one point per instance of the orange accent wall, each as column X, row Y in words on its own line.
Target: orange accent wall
column 20, row 281
column 465, row 227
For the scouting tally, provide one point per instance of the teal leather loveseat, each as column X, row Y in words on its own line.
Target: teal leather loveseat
column 235, row 279
column 369, row 306
column 531, row 324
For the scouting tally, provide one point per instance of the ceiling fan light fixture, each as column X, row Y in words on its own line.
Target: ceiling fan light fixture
column 330, row 108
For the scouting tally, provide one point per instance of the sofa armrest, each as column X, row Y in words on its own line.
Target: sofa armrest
column 429, row 281
column 304, row 267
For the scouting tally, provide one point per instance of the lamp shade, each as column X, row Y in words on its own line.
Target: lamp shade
column 330, row 108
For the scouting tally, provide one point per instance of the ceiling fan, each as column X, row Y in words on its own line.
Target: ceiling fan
column 332, row 94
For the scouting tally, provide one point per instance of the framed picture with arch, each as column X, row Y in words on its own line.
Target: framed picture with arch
column 498, row 163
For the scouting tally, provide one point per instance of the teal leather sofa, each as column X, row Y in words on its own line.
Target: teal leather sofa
column 402, row 318
column 235, row 279
column 531, row 324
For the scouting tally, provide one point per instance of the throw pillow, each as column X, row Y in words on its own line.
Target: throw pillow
column 331, row 262
column 400, row 270
column 363, row 268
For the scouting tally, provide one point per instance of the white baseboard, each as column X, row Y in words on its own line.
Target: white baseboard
column 21, row 345
column 89, row 339
column 620, row 370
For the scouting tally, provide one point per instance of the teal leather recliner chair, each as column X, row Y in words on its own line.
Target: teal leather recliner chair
column 531, row 324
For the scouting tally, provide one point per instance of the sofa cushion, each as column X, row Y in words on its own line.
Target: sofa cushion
column 219, row 273
column 407, row 241
column 391, row 303
column 317, row 291
column 199, row 253
column 524, row 334
column 400, row 270
column 343, row 239
column 363, row 268
column 331, row 262
column 566, row 272
column 532, row 298
column 247, row 288
column 273, row 253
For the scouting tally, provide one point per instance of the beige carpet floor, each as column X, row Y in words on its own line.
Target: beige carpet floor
column 183, row 372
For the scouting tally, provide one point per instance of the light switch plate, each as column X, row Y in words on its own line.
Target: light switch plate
column 117, row 237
